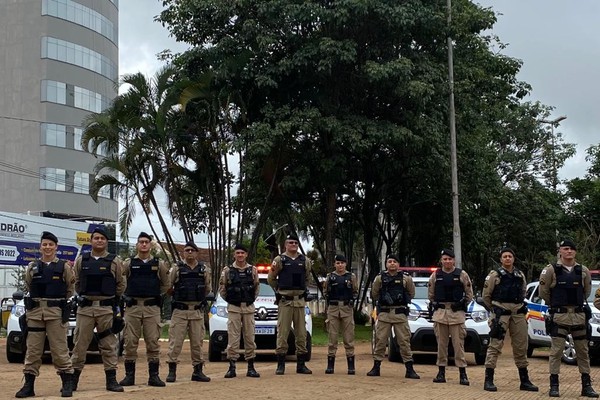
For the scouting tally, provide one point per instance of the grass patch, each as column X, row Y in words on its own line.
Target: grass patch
column 320, row 337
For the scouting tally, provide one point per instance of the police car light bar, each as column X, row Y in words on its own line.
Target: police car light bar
column 263, row 268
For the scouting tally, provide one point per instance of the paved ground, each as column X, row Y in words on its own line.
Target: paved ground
column 391, row 385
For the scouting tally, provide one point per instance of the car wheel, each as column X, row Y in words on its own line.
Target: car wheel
column 214, row 352
column 394, row 351
column 480, row 358
column 308, row 346
column 17, row 358
column 569, row 355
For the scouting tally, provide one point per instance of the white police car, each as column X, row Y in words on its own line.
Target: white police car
column 421, row 328
column 536, row 330
column 265, row 317
column 15, row 342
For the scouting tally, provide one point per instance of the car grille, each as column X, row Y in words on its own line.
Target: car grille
column 425, row 315
column 265, row 314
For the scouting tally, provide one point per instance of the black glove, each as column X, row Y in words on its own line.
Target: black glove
column 277, row 298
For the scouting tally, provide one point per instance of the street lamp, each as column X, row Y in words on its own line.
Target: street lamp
column 552, row 124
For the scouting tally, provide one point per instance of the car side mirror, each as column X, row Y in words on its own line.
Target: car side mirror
column 210, row 297
column 18, row 295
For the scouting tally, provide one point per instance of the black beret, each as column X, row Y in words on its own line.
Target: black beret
column 507, row 250
column 191, row 244
column 340, row 257
column 393, row 257
column 568, row 243
column 49, row 236
column 240, row 246
column 144, row 235
column 292, row 236
column 100, row 231
column 448, row 252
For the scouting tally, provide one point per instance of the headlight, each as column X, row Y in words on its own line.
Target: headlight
column 17, row 311
column 413, row 315
column 479, row 316
column 222, row 311
column 595, row 318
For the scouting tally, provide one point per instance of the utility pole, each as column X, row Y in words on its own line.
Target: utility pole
column 453, row 156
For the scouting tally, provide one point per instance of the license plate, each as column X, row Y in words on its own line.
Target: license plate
column 264, row 330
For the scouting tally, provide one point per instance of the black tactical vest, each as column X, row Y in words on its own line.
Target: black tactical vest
column 191, row 285
column 393, row 292
column 143, row 279
column 240, row 286
column 293, row 274
column 339, row 287
column 96, row 277
column 569, row 287
column 448, row 287
column 510, row 288
column 47, row 281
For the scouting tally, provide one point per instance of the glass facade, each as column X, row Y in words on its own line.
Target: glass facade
column 80, row 15
column 68, row 137
column 75, row 54
column 70, row 181
column 73, row 96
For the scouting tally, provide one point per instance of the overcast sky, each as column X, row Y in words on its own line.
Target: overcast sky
column 557, row 40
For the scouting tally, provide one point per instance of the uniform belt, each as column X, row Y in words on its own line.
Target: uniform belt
column 143, row 302
column 339, row 302
column 396, row 310
column 31, row 304
column 96, row 303
column 182, row 306
column 291, row 298
column 439, row 305
column 561, row 310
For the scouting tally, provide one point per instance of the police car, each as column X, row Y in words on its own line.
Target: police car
column 15, row 342
column 536, row 329
column 421, row 328
column 265, row 316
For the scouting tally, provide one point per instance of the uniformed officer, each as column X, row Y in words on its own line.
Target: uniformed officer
column 393, row 291
column 99, row 283
column 565, row 286
column 239, row 286
column 504, row 295
column 147, row 281
column 449, row 293
column 289, row 277
column 49, row 282
column 190, row 285
column 341, row 289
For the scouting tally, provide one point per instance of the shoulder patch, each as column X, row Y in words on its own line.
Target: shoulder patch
column 544, row 272
column 487, row 278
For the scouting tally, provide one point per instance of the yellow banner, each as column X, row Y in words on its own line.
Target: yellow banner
column 84, row 238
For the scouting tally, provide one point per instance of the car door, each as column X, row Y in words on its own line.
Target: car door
column 536, row 310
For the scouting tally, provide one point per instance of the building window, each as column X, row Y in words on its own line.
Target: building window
column 55, row 92
column 71, row 182
column 75, row 54
column 81, row 183
column 68, row 137
column 53, row 179
column 74, row 96
column 80, row 15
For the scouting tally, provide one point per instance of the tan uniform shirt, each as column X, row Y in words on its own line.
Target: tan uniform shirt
column 224, row 282
column 548, row 282
column 276, row 268
column 446, row 315
column 40, row 313
column 174, row 278
column 162, row 272
column 491, row 281
column 409, row 286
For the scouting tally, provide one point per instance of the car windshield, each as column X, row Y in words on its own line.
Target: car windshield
column 421, row 290
column 266, row 290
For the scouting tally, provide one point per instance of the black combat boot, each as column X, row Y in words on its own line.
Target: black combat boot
column 488, row 384
column 129, row 379
column 27, row 389
column 280, row 364
column 252, row 373
column 351, row 368
column 111, row 381
column 172, row 377
column 330, row 365
column 75, row 379
column 462, row 373
column 586, row 386
column 554, row 386
column 410, row 371
column 376, row 370
column 67, row 385
column 301, row 367
column 198, row 375
column 441, row 375
column 525, row 382
column 153, row 376
column 231, row 371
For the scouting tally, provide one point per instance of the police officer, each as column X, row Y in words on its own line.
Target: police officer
column 340, row 289
column 190, row 285
column 449, row 293
column 289, row 277
column 147, row 280
column 565, row 286
column 49, row 282
column 99, row 283
column 239, row 286
column 393, row 291
column 504, row 295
